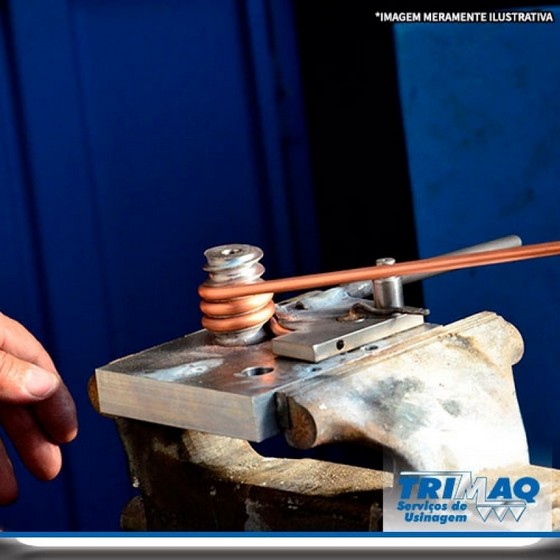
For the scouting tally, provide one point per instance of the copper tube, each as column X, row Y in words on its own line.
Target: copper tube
column 239, row 322
column 276, row 328
column 236, row 306
column 433, row 264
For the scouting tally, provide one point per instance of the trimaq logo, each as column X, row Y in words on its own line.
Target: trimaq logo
column 430, row 500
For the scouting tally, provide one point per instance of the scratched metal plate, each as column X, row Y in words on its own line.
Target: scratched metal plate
column 330, row 338
column 193, row 383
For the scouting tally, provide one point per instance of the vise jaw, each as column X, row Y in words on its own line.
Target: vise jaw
column 432, row 396
column 423, row 396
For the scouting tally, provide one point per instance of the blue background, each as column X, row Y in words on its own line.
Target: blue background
column 481, row 106
column 136, row 134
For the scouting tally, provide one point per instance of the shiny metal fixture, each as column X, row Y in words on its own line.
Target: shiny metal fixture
column 238, row 321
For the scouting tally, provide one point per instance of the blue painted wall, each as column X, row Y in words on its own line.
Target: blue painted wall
column 134, row 135
column 481, row 109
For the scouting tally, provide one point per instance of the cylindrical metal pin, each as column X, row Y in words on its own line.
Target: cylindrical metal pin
column 236, row 321
column 388, row 292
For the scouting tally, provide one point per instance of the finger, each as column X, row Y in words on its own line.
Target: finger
column 17, row 340
column 57, row 416
column 8, row 484
column 40, row 456
column 22, row 382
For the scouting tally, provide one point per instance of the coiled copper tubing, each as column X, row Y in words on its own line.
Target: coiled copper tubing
column 228, row 319
column 239, row 306
column 236, row 321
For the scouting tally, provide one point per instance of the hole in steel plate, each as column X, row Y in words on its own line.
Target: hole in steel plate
column 256, row 370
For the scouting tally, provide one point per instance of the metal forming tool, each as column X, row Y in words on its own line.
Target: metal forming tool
column 352, row 364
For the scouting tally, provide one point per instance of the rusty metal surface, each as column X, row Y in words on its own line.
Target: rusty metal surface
column 190, row 481
column 443, row 399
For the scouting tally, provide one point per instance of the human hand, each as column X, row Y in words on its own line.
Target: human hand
column 37, row 411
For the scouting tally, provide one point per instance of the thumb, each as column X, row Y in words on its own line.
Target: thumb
column 22, row 382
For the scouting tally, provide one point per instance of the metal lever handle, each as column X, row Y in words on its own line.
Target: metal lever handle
column 506, row 242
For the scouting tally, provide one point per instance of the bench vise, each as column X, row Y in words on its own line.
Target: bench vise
column 351, row 365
